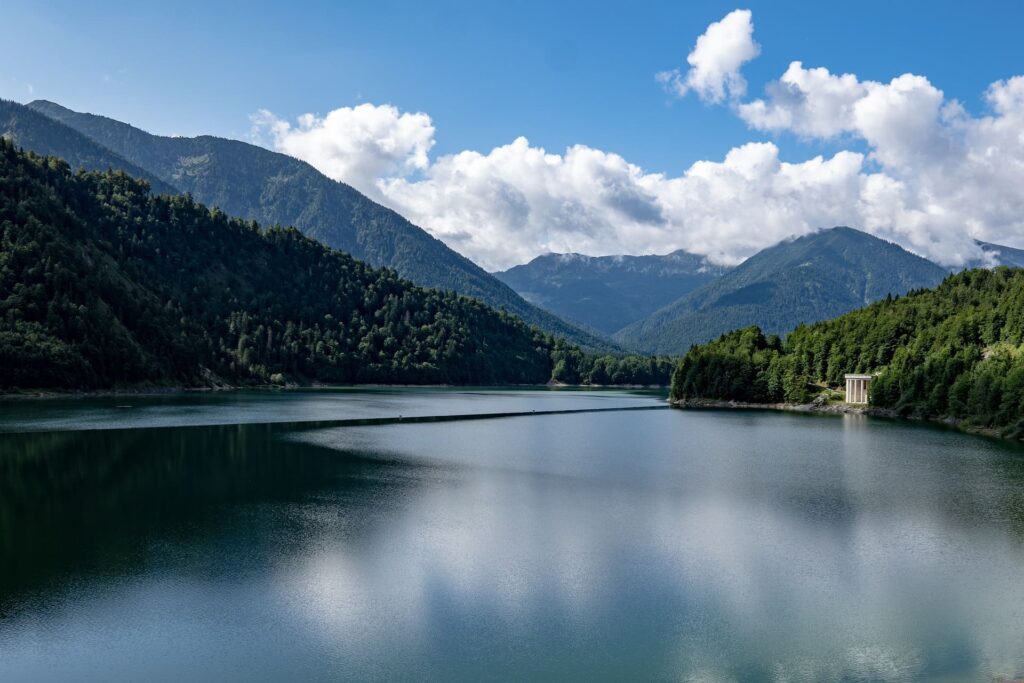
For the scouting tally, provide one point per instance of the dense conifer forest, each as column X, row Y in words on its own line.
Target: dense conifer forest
column 104, row 285
column 955, row 351
column 250, row 182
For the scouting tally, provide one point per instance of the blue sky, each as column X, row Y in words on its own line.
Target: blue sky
column 558, row 73
column 573, row 73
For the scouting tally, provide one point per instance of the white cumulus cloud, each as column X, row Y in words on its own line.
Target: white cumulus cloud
column 942, row 177
column 516, row 201
column 356, row 145
column 716, row 60
column 809, row 102
column 901, row 120
column 927, row 174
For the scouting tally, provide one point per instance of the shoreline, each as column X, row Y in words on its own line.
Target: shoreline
column 836, row 409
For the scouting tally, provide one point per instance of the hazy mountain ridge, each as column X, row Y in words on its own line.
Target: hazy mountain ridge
column 1003, row 255
column 607, row 293
column 258, row 184
column 35, row 131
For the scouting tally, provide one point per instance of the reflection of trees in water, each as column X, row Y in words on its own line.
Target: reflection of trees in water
column 1011, row 471
column 90, row 501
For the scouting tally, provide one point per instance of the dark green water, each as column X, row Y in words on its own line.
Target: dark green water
column 223, row 539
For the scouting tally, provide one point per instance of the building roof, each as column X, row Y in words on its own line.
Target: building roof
column 858, row 376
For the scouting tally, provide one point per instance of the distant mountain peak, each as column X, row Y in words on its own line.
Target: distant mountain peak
column 43, row 105
column 1001, row 255
column 803, row 279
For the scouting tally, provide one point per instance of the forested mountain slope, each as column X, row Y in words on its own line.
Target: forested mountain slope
column 103, row 284
column 256, row 184
column 804, row 280
column 32, row 130
column 954, row 351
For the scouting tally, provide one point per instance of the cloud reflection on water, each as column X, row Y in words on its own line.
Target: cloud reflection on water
column 790, row 550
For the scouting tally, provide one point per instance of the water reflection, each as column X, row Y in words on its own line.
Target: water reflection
column 686, row 546
column 87, row 501
column 730, row 559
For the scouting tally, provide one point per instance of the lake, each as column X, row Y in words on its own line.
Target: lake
column 314, row 536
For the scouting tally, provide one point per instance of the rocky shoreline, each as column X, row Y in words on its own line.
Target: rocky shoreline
column 815, row 407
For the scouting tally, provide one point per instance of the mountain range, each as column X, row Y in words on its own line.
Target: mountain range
column 654, row 304
column 254, row 183
column 607, row 293
column 664, row 304
column 804, row 280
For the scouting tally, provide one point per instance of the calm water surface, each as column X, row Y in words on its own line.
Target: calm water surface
column 255, row 537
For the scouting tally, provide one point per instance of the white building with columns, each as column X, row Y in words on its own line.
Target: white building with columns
column 857, row 388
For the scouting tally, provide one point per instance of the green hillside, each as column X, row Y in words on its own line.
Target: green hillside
column 104, row 285
column 256, row 184
column 955, row 351
column 804, row 280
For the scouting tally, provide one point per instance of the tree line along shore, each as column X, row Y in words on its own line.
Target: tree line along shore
column 954, row 353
